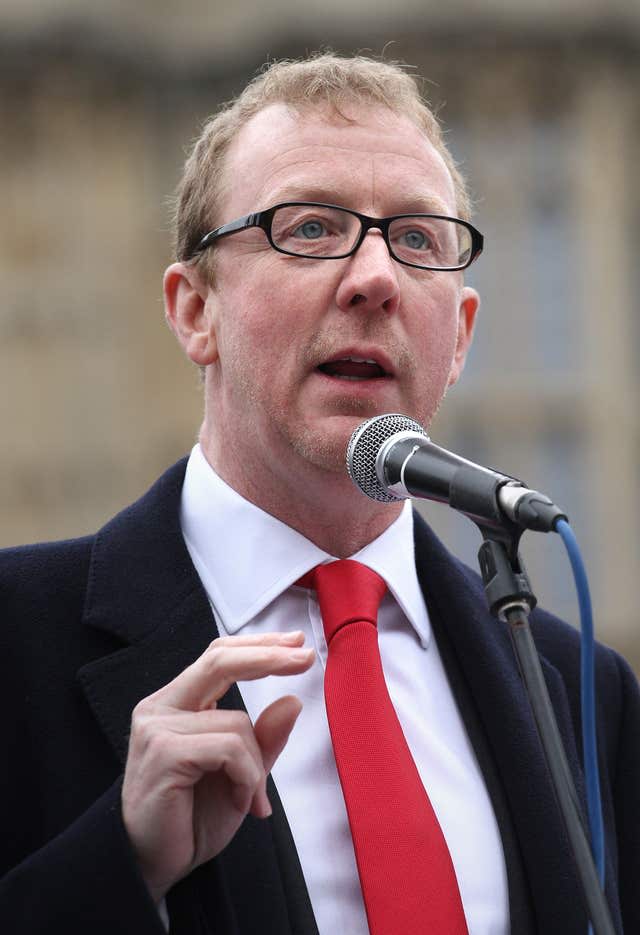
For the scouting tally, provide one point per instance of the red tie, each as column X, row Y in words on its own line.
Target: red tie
column 406, row 873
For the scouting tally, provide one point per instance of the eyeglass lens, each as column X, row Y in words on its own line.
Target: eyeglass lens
column 331, row 232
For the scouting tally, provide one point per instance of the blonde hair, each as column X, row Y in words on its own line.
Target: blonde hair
column 322, row 79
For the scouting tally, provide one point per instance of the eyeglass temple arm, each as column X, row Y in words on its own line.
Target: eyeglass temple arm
column 249, row 220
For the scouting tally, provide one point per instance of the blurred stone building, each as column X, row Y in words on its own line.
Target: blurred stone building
column 97, row 104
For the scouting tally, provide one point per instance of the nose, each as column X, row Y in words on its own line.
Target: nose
column 370, row 280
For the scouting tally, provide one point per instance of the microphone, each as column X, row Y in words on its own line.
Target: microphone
column 391, row 457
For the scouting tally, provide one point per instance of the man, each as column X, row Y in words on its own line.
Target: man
column 139, row 794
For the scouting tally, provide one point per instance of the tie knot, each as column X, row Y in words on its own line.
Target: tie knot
column 347, row 591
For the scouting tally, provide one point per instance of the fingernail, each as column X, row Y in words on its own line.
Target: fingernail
column 301, row 655
column 294, row 636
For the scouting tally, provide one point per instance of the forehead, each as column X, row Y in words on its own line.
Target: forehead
column 370, row 159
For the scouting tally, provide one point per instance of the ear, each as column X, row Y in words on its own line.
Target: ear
column 469, row 304
column 187, row 308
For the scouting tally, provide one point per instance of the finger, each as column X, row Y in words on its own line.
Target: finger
column 177, row 721
column 272, row 730
column 162, row 734
column 210, row 676
column 191, row 756
column 273, row 727
column 290, row 638
column 165, row 770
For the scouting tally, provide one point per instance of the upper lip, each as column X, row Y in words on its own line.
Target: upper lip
column 363, row 354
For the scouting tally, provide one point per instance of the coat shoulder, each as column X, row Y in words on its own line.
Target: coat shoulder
column 41, row 573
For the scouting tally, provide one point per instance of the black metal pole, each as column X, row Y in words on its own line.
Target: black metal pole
column 511, row 599
column 533, row 678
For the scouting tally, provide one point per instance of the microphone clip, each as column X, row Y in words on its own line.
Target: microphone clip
column 506, row 583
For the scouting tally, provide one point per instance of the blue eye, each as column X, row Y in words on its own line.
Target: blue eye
column 415, row 240
column 310, row 230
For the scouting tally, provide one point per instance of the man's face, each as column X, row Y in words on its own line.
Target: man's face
column 306, row 349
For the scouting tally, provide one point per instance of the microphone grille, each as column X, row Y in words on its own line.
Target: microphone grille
column 364, row 445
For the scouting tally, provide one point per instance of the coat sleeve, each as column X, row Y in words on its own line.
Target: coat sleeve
column 84, row 880
column 626, row 796
column 66, row 864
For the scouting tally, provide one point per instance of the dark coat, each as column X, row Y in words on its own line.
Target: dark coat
column 91, row 626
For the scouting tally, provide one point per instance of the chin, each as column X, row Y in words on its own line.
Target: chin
column 325, row 446
column 324, row 453
column 322, row 441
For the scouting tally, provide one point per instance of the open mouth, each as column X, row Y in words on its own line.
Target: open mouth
column 354, row 368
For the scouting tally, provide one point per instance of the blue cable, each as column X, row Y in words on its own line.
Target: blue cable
column 587, row 696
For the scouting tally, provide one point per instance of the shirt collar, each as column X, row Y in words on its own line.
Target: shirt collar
column 224, row 532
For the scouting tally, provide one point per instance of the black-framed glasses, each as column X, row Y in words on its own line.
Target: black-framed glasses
column 328, row 232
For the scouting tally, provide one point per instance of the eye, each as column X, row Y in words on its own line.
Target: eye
column 313, row 230
column 416, row 240
column 310, row 230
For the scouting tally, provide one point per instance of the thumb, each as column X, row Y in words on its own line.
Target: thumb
column 272, row 731
column 273, row 727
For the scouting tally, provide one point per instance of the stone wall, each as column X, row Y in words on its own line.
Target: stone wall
column 95, row 114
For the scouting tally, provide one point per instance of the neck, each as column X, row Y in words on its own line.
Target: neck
column 338, row 526
column 324, row 506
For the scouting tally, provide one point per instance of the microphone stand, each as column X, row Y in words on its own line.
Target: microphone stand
column 511, row 600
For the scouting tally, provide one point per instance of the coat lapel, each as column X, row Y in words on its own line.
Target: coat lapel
column 486, row 660
column 144, row 590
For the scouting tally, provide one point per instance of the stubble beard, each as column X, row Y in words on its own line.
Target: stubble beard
column 324, row 445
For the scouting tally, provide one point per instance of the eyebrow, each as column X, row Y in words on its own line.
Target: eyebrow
column 404, row 203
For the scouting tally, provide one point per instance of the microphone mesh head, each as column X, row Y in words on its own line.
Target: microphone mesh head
column 364, row 445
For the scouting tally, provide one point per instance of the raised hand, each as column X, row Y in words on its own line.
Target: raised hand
column 193, row 772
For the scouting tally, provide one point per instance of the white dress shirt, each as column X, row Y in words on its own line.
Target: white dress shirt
column 248, row 562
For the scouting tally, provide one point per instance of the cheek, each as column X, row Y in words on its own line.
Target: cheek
column 269, row 321
column 278, row 307
column 258, row 339
column 434, row 349
column 268, row 300
column 439, row 330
